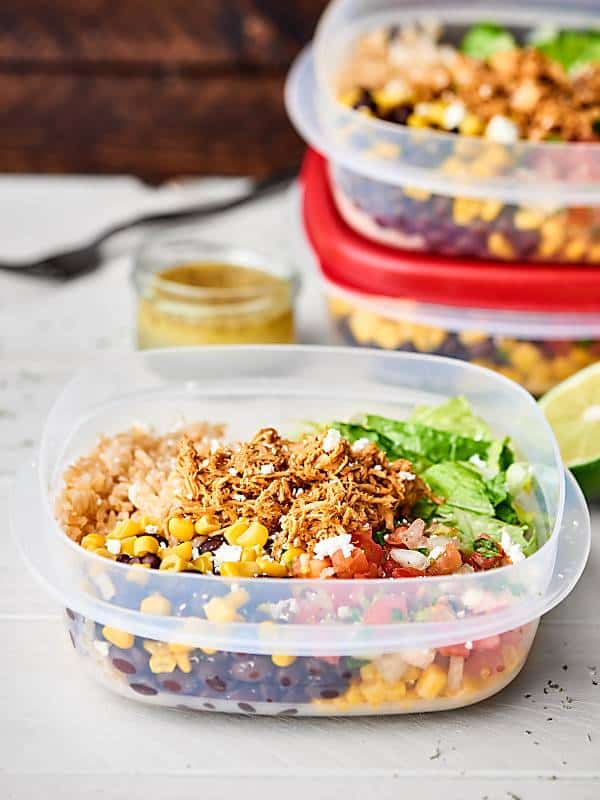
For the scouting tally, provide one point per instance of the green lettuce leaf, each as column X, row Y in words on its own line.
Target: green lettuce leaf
column 471, row 526
column 460, row 486
column 429, row 443
column 485, row 39
column 454, row 416
column 572, row 49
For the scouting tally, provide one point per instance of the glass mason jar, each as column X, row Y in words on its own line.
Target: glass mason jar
column 193, row 292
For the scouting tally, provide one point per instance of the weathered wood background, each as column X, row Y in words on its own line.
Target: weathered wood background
column 152, row 87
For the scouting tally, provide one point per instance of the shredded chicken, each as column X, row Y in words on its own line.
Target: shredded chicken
column 308, row 493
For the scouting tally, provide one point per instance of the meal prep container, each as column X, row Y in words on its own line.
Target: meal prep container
column 422, row 189
column 536, row 325
column 291, row 646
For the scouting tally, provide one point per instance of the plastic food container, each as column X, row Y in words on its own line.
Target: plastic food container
column 193, row 292
column 284, row 646
column 536, row 325
column 427, row 190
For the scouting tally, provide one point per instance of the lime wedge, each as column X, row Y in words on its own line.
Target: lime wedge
column 573, row 410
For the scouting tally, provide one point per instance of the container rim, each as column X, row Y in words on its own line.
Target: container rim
column 302, row 94
column 357, row 264
column 224, row 350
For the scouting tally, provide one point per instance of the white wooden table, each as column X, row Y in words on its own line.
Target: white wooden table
column 63, row 736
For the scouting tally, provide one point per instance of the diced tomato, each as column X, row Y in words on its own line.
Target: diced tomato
column 482, row 563
column 448, row 563
column 372, row 550
column 380, row 612
column 459, row 650
column 349, row 566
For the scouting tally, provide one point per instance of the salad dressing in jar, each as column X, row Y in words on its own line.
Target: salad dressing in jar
column 195, row 293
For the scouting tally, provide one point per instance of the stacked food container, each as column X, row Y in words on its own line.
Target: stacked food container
column 478, row 245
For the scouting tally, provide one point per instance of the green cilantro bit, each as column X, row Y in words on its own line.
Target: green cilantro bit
column 486, row 547
column 485, row 39
column 572, row 49
column 379, row 537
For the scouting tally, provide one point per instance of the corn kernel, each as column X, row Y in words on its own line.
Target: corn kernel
column 206, row 525
column 182, row 528
column 465, row 210
column 472, row 337
column 92, row 541
column 255, row 535
column 119, row 638
column 490, row 210
column 203, row 563
column 209, row 651
column 156, row 604
column 525, row 356
column 102, row 551
column 374, row 693
column 432, row 682
column 350, row 97
column 124, row 529
column 183, row 550
column 288, row 557
column 239, row 569
column 417, row 121
column 499, row 246
column 183, row 662
column 128, row 544
column 250, row 553
column 415, row 193
column 575, row 249
column 237, row 598
column 234, row 531
column 218, row 610
column 368, row 673
column 528, row 219
column 162, row 662
column 151, row 646
column 412, row 674
column 173, row 563
column 271, row 568
column 138, row 575
column 471, row 126
column 282, row 661
column 144, row 545
column 427, row 339
column 397, row 691
column 453, row 166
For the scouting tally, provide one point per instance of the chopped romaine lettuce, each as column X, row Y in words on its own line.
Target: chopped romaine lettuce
column 471, row 526
column 460, row 486
column 453, row 416
column 429, row 443
column 572, row 49
column 485, row 39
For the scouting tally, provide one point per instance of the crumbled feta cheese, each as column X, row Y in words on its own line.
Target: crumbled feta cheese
column 418, row 658
column 214, row 445
column 409, row 558
column 151, row 529
column 195, row 552
column 162, row 545
column 512, row 549
column 267, row 469
column 238, row 497
column 327, row 547
column 105, row 586
column 101, row 647
column 227, row 552
column 232, row 471
column 377, row 467
column 297, row 492
column 406, row 476
column 502, row 130
column 360, row 444
column 331, row 440
column 468, row 645
column 454, row 115
column 280, row 610
column 113, row 546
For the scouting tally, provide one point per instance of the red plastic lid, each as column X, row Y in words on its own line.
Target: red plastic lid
column 357, row 264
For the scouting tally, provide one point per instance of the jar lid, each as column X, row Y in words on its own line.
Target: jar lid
column 357, row 264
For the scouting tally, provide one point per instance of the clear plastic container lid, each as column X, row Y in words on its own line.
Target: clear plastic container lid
column 545, row 174
column 250, row 387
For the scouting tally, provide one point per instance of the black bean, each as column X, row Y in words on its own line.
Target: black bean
column 365, row 100
column 216, row 683
column 124, row 666
column 142, row 688
column 123, row 558
column 400, row 114
column 212, row 543
column 152, row 559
